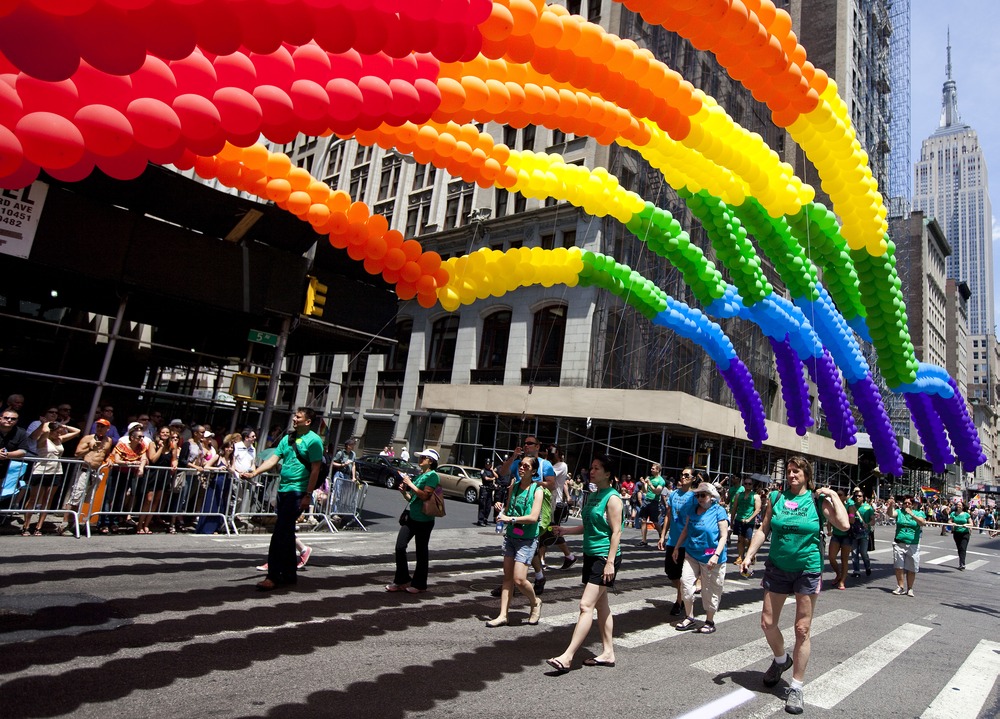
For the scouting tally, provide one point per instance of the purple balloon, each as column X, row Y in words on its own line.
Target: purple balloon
column 930, row 429
column 794, row 390
column 877, row 424
column 740, row 383
column 833, row 399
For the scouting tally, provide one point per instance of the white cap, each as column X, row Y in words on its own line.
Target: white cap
column 432, row 453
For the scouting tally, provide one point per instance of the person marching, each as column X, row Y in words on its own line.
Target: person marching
column 794, row 519
column 744, row 509
column 704, row 538
column 861, row 527
column 603, row 518
column 520, row 542
column 416, row 524
column 670, row 535
column 906, row 543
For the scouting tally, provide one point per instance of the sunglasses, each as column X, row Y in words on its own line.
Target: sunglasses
column 699, row 495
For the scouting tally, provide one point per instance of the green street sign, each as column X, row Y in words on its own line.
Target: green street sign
column 263, row 338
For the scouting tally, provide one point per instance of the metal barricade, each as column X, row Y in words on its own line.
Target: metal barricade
column 255, row 502
column 36, row 487
column 346, row 501
column 202, row 497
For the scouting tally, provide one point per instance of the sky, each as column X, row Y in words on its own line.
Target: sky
column 975, row 67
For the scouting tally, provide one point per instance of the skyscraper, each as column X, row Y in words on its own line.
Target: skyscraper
column 951, row 185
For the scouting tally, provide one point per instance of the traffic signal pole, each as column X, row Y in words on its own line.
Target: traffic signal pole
column 274, row 384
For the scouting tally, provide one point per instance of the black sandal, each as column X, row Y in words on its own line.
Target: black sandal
column 707, row 628
column 686, row 625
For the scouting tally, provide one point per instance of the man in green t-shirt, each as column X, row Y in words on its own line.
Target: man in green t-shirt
column 300, row 452
column 650, row 511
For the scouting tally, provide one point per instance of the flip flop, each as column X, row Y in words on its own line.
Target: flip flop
column 557, row 665
column 595, row 662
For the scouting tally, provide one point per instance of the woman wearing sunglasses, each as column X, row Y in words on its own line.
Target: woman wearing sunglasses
column 602, row 557
column 524, row 506
column 706, row 528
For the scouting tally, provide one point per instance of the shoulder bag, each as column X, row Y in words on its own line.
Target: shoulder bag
column 433, row 506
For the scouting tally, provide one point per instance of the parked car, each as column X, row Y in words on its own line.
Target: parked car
column 384, row 471
column 461, row 481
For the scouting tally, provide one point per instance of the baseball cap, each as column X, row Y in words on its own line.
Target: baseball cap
column 104, row 423
column 432, row 453
column 209, row 434
column 133, row 425
column 174, row 422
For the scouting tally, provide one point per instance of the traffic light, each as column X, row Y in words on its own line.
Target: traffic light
column 315, row 297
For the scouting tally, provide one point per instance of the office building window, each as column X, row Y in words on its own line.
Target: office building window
column 424, row 177
column 459, row 203
column 444, row 337
column 496, row 336
column 388, row 184
column 359, row 183
column 418, row 212
column 547, row 335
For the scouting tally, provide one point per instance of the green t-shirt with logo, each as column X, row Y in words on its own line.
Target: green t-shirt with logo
column 961, row 518
column 596, row 530
column 295, row 474
column 427, row 480
column 907, row 529
column 654, row 486
column 742, row 504
column 795, row 526
column 521, row 502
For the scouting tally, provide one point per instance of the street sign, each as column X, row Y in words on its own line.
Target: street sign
column 263, row 338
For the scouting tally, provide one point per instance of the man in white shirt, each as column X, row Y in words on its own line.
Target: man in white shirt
column 244, row 452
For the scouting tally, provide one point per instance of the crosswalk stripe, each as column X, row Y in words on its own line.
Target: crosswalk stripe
column 720, row 706
column 967, row 691
column 880, row 551
column 942, row 560
column 829, row 689
column 666, row 631
column 973, row 566
column 747, row 654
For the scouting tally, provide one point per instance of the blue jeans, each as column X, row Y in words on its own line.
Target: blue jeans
column 281, row 559
column 859, row 545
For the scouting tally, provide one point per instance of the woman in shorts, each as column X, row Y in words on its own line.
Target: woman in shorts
column 794, row 566
column 524, row 506
column 841, row 543
column 602, row 533
column 906, row 544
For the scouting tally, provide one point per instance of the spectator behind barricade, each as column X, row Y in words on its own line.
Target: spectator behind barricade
column 275, row 435
column 13, row 445
column 107, row 413
column 182, row 430
column 343, row 464
column 93, row 449
column 128, row 463
column 158, row 480
column 45, row 485
column 15, row 403
column 191, row 459
column 220, row 481
column 36, row 428
column 245, row 451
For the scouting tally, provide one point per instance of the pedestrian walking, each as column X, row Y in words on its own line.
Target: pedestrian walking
column 906, row 544
column 794, row 519
column 961, row 521
column 704, row 538
column 416, row 524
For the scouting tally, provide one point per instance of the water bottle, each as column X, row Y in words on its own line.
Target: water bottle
column 500, row 526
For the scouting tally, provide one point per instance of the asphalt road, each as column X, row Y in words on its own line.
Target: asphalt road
column 170, row 626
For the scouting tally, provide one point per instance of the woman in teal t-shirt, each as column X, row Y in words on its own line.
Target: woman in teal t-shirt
column 906, row 546
column 706, row 529
column 602, row 533
column 414, row 524
column 794, row 566
column 524, row 506
column 961, row 519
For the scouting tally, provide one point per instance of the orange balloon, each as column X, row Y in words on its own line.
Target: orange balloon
column 412, row 249
column 498, row 98
column 425, row 284
column 394, row 239
column 318, row 191
column 373, row 266
column 395, row 259
column 206, row 167
column 498, row 25
column 298, row 202
column 317, row 214
column 355, row 251
column 476, row 93
column 376, row 226
column 572, row 32
column 547, row 30
column 520, row 49
column 358, row 212
column 278, row 190
column 255, row 157
column 339, row 201
column 410, row 272
column 445, row 145
column 452, row 95
column 427, row 137
column 534, row 99
column 278, row 165
column 405, row 290
column 525, row 16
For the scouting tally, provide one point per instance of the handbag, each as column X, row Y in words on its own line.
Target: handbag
column 434, row 505
column 404, row 517
column 871, row 540
column 179, row 481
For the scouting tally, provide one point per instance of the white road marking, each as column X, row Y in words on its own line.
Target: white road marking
column 930, row 617
column 880, row 551
column 967, row 691
column 829, row 689
column 747, row 654
column 720, row 706
column 666, row 631
column 942, row 560
column 973, row 566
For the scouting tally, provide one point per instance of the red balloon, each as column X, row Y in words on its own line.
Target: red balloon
column 207, row 146
column 335, row 31
column 154, row 79
column 11, row 154
column 251, row 138
column 425, row 10
column 297, row 25
column 99, row 88
column 260, row 26
column 346, row 100
column 371, row 35
column 65, row 8
column 168, row 155
column 405, row 100
column 21, row 177
column 195, row 75
column 236, row 70
column 276, row 68
column 275, row 104
column 11, row 107
column 310, row 100
column 128, row 4
column 377, row 96
column 154, row 123
column 430, row 98
column 166, row 30
column 240, row 113
column 185, row 161
column 312, row 63
column 347, row 66
column 77, row 172
column 108, row 41
column 398, row 41
column 200, row 119
column 280, row 134
column 49, row 140
column 124, row 167
column 106, row 132
column 37, row 95
column 214, row 27
column 424, row 34
column 41, row 45
column 406, row 69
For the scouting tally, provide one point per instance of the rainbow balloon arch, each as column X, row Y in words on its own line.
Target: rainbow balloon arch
column 115, row 84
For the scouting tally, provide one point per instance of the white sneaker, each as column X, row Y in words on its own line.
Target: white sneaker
column 909, row 593
column 899, row 591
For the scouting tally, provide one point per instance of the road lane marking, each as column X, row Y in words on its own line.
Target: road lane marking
column 942, row 560
column 967, row 691
column 720, row 706
column 666, row 631
column 747, row 654
column 829, row 689
column 973, row 566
